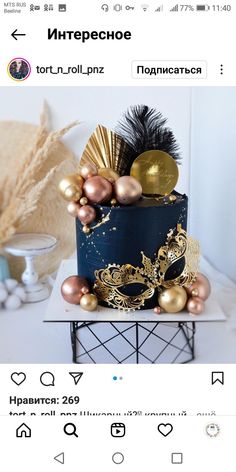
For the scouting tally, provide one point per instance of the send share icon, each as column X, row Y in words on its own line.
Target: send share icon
column 76, row 376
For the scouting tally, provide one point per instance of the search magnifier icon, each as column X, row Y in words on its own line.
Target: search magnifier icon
column 70, row 429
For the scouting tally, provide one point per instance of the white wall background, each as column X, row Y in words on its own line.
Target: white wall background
column 213, row 175
column 104, row 105
column 204, row 122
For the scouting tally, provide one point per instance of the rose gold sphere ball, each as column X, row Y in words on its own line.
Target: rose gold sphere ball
column 86, row 214
column 200, row 288
column 127, row 190
column 73, row 208
column 195, row 305
column 73, row 288
column 88, row 170
column 97, row 189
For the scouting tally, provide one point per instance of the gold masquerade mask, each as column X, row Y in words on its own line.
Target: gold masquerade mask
column 112, row 280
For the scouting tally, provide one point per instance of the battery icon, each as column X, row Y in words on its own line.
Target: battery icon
column 203, row 7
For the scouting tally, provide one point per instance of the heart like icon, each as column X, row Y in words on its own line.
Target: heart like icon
column 18, row 377
column 165, row 429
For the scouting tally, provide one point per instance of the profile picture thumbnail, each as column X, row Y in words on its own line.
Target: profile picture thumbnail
column 19, row 69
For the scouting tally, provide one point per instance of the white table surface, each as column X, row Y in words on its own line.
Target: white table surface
column 59, row 310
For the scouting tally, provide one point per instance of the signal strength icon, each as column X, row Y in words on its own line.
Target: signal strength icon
column 159, row 8
column 175, row 8
column 144, row 7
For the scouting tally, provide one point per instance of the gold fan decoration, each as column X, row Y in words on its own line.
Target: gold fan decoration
column 106, row 149
column 152, row 275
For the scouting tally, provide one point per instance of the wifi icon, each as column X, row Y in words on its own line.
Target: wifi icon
column 144, row 7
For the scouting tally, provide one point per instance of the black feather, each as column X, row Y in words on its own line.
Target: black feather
column 144, row 129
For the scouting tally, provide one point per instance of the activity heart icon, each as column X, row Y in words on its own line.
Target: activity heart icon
column 165, row 429
column 18, row 377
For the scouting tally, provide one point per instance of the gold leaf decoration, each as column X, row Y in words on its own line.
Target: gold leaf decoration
column 110, row 281
column 152, row 275
column 179, row 246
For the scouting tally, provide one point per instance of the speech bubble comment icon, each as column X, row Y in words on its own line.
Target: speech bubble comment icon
column 47, row 379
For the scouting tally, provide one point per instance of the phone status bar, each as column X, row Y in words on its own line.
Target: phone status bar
column 68, row 8
column 161, row 8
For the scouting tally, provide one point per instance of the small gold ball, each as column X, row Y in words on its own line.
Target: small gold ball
column 72, row 193
column 172, row 198
column 113, row 201
column 86, row 229
column 173, row 299
column 157, row 310
column 89, row 302
column 195, row 292
column 83, row 201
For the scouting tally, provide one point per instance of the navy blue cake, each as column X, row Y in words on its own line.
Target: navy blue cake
column 125, row 233
column 132, row 247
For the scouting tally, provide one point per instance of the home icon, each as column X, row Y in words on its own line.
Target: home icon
column 23, row 431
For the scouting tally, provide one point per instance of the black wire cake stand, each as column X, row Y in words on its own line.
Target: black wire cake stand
column 133, row 342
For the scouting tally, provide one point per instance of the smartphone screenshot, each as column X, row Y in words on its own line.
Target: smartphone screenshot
column 117, row 235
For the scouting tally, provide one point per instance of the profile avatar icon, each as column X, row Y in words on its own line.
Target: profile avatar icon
column 19, row 69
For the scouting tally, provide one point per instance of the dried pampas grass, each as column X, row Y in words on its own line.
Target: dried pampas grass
column 28, row 186
column 22, row 207
column 26, row 175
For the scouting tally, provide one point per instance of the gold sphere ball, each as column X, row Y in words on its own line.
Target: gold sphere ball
column 72, row 193
column 72, row 179
column 83, row 201
column 108, row 173
column 89, row 302
column 86, row 229
column 173, row 299
column 195, row 292
column 113, row 201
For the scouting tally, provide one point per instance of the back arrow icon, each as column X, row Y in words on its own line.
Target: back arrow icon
column 15, row 34
column 60, row 458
